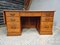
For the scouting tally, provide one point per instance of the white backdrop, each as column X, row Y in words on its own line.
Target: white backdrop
column 48, row 5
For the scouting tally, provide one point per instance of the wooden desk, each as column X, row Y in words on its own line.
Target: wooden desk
column 16, row 20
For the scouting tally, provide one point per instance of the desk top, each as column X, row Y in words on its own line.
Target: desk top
column 27, row 11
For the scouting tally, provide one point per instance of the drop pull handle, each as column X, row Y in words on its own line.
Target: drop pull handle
column 12, row 14
column 46, row 26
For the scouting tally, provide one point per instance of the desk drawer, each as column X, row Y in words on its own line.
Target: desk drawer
column 46, row 29
column 13, row 19
column 47, row 19
column 12, row 14
column 46, row 24
column 13, row 27
column 48, row 14
column 13, row 24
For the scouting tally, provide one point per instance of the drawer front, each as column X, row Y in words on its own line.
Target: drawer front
column 48, row 14
column 47, row 19
column 12, row 14
column 46, row 29
column 13, row 27
column 13, row 24
column 46, row 26
column 13, row 19
column 30, row 14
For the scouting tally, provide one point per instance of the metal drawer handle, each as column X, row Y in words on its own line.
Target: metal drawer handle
column 47, row 15
column 12, row 14
column 46, row 27
column 47, row 19
column 13, row 26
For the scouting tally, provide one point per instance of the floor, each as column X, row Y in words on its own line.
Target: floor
column 30, row 37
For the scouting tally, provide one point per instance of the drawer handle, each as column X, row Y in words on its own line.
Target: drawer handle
column 12, row 19
column 46, row 27
column 12, row 14
column 47, row 19
column 47, row 15
column 13, row 27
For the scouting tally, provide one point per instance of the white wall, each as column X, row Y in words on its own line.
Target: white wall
column 48, row 5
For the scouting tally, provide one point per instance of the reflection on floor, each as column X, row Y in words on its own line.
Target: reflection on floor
column 30, row 37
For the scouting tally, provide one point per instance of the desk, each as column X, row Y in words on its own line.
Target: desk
column 17, row 20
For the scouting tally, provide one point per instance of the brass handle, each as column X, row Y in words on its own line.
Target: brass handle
column 46, row 26
column 12, row 14
column 47, row 19
column 13, row 26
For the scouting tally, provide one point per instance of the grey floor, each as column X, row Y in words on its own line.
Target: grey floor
column 30, row 37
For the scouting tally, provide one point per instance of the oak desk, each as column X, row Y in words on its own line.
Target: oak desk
column 16, row 20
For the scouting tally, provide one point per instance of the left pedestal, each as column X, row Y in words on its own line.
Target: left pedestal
column 12, row 20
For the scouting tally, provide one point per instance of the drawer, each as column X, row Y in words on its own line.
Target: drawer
column 47, row 19
column 12, row 14
column 46, row 24
column 12, row 19
column 46, row 29
column 13, row 25
column 30, row 14
column 48, row 14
